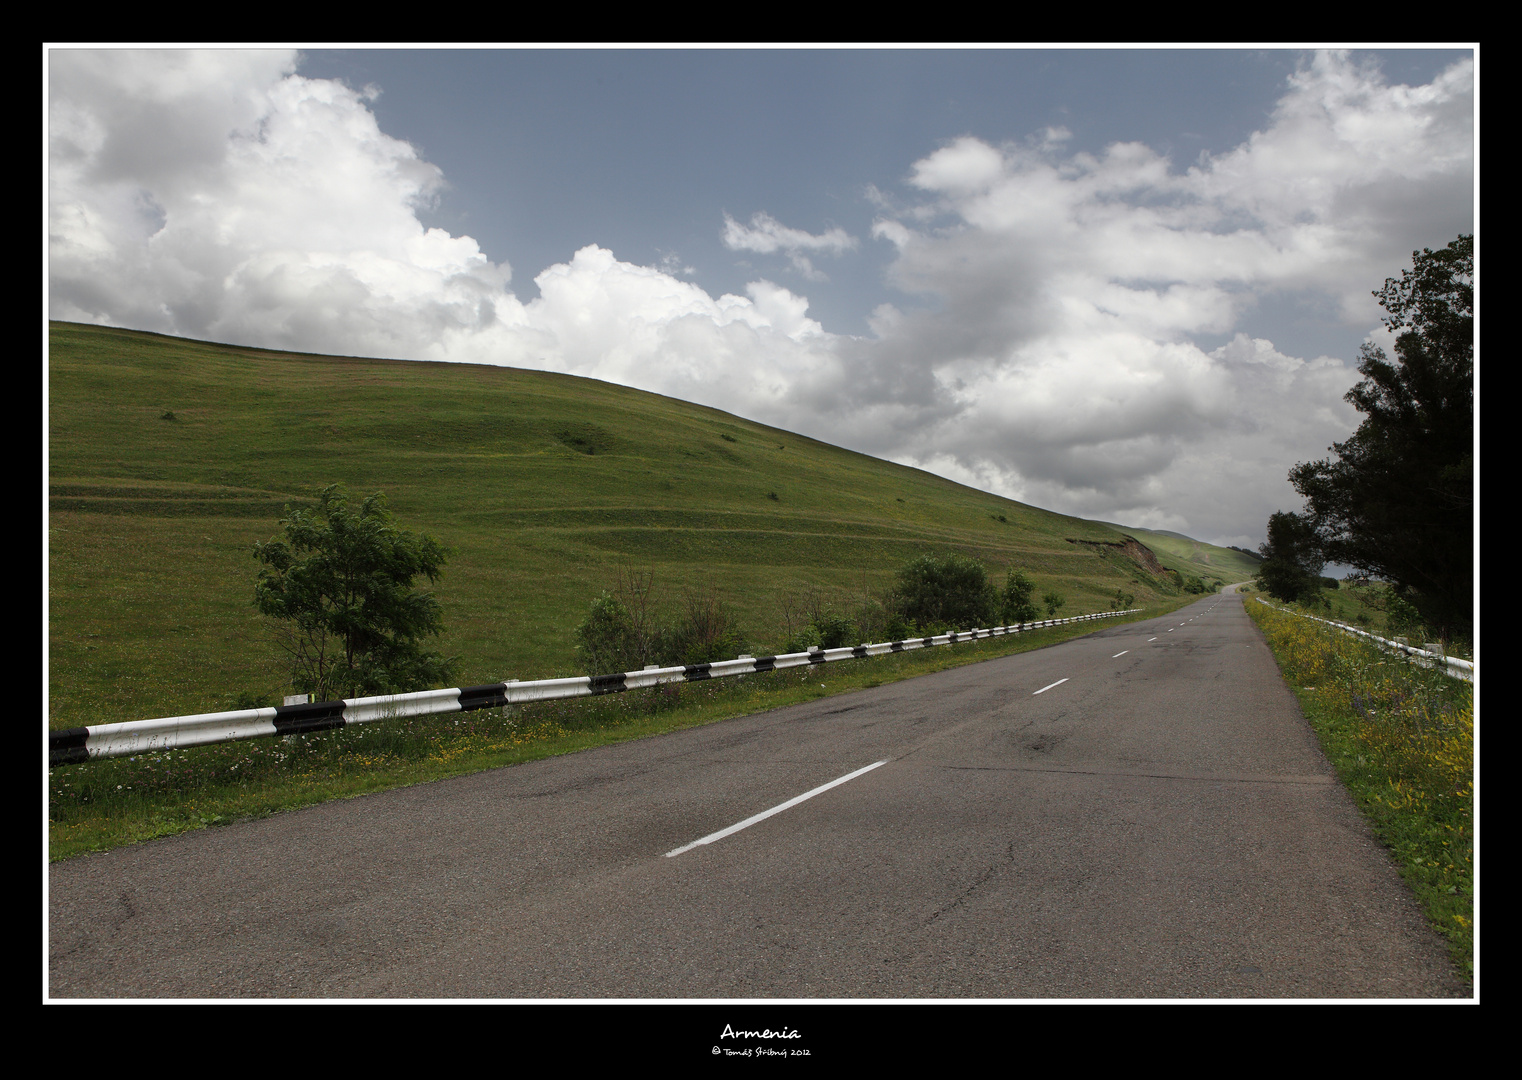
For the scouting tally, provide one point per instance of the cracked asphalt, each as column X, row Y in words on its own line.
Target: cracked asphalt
column 1160, row 825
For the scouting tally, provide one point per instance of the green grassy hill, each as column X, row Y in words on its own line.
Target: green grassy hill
column 1189, row 556
column 170, row 458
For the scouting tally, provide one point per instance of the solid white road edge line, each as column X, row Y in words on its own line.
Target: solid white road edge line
column 763, row 815
column 1044, row 689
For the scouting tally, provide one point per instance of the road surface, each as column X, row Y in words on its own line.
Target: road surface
column 1139, row 813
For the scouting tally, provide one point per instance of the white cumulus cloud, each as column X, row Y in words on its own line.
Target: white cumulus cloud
column 1058, row 357
column 765, row 234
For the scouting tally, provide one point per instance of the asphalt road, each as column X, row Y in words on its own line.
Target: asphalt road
column 1159, row 823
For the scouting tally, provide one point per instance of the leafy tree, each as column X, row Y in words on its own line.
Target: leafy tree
column 1018, row 603
column 1292, row 560
column 945, row 591
column 1054, row 603
column 341, row 585
column 1398, row 500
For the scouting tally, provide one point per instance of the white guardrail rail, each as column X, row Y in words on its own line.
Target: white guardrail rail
column 175, row 732
column 1450, row 665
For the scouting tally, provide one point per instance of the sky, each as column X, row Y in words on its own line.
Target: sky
column 1124, row 284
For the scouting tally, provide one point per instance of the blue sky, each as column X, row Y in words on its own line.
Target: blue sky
column 1126, row 284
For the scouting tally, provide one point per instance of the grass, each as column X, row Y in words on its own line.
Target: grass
column 1401, row 738
column 98, row 805
column 1189, row 556
column 542, row 485
column 1368, row 608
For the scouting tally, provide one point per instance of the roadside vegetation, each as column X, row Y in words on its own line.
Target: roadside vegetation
column 196, row 494
column 1401, row 738
column 97, row 805
column 1372, row 606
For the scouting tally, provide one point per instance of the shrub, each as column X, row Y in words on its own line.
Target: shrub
column 951, row 591
column 1018, row 603
column 707, row 632
column 605, row 640
column 830, row 631
column 1402, row 616
column 811, row 617
column 622, row 631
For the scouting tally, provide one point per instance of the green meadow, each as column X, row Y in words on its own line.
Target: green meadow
column 1187, row 555
column 169, row 459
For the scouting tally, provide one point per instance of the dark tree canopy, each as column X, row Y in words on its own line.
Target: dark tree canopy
column 341, row 586
column 1291, row 567
column 946, row 591
column 1397, row 501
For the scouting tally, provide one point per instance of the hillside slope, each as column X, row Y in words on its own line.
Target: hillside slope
column 1190, row 556
column 170, row 458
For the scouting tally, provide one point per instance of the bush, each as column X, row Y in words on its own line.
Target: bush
column 623, row 632
column 1018, row 602
column 605, row 640
column 708, row 632
column 1402, row 616
column 1054, row 603
column 813, row 617
column 946, row 591
column 830, row 631
column 1193, row 585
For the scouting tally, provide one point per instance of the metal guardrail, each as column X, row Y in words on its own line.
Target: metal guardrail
column 176, row 732
column 1450, row 665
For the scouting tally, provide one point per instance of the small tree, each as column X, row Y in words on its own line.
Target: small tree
column 340, row 584
column 1292, row 562
column 1054, row 603
column 946, row 591
column 1018, row 603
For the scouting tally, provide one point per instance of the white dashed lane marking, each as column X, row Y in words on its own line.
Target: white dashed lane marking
column 763, row 815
